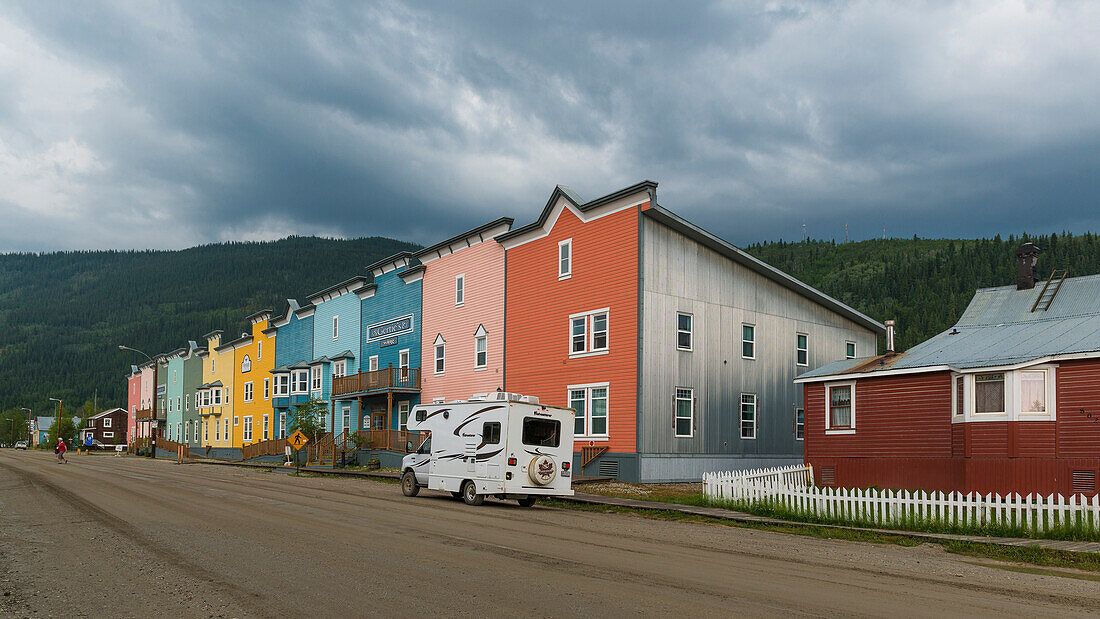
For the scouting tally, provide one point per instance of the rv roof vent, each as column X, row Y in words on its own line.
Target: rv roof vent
column 479, row 397
column 530, row 399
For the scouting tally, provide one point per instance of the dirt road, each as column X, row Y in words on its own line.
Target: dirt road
column 107, row 536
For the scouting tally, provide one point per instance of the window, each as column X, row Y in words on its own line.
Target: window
column 236, row 421
column 372, row 363
column 960, row 391
column 802, row 349
column 282, row 424
column 490, row 433
column 173, row 377
column 366, row 422
column 748, row 341
column 282, row 385
column 590, row 404
column 403, row 415
column 684, row 411
column 440, row 355
column 259, row 351
column 196, row 435
column 565, row 259
column 247, row 436
column 179, row 430
column 403, row 364
column 225, row 432
column 301, row 380
column 335, row 327
column 989, row 393
column 217, row 396
column 460, row 292
column 840, row 402
column 267, row 427
column 684, row 331
column 541, row 432
column 246, row 365
column 108, row 435
column 1033, row 391
column 211, row 365
column 267, row 388
column 799, row 424
column 588, row 333
column 345, row 414
column 187, row 401
column 106, row 422
column 315, row 377
column 187, row 436
column 323, row 420
column 748, row 415
column 248, row 391
column 849, row 350
column 481, row 348
column 339, row 368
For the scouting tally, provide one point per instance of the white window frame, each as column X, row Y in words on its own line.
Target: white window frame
column 248, row 392
column 236, row 420
column 567, row 272
column 460, row 290
column 267, row 427
column 316, row 378
column 246, row 436
column 299, row 378
column 690, row 331
column 217, row 396
column 855, row 351
column 1006, row 383
column 589, row 317
column 481, row 338
column 339, row 368
column 282, row 385
column 403, row 414
column 404, row 358
column 752, row 341
column 805, row 350
column 587, row 388
column 106, row 422
column 282, row 424
column 259, row 351
column 741, row 416
column 336, row 327
column 108, row 435
column 439, row 355
column 1018, row 384
column 246, row 365
column 225, row 430
column 676, row 399
column 956, row 413
column 851, row 429
column 799, row 424
column 372, row 363
column 267, row 388
column 345, row 418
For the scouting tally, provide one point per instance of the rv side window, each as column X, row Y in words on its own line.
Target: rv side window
column 541, row 432
column 421, row 415
column 426, row 446
column 490, row 433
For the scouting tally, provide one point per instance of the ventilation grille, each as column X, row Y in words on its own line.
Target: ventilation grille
column 1084, row 482
column 828, row 476
column 609, row 468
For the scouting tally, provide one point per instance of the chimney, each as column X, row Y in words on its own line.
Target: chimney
column 889, row 337
column 1027, row 257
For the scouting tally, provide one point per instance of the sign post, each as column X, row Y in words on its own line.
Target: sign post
column 297, row 441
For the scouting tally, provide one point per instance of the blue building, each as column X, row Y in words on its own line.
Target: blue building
column 387, row 386
column 293, row 352
column 336, row 337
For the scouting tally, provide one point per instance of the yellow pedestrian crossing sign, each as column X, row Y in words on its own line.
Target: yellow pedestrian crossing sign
column 297, row 440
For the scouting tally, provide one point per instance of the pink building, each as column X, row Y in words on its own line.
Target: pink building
column 133, row 402
column 146, row 400
column 462, row 329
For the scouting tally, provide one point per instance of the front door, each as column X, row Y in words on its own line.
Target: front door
column 379, row 414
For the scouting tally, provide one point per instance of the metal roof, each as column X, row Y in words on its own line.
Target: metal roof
column 998, row 328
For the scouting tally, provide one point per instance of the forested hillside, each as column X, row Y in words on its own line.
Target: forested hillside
column 924, row 284
column 63, row 315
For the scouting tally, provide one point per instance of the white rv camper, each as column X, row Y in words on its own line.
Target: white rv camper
column 498, row 444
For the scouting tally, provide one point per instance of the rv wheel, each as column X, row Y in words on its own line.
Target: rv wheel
column 470, row 495
column 408, row 484
column 526, row 502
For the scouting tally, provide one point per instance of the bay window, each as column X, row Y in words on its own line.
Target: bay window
column 299, row 381
column 1033, row 391
column 989, row 393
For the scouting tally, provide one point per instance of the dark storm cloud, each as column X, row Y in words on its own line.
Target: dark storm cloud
column 137, row 125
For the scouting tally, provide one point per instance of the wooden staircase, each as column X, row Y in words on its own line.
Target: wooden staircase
column 323, row 452
column 1046, row 297
column 588, row 454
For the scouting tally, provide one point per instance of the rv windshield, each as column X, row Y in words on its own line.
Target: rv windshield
column 426, row 446
column 541, row 432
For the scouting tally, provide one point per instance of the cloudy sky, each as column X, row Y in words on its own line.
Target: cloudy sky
column 165, row 125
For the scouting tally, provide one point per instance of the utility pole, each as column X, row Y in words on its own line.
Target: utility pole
column 60, row 410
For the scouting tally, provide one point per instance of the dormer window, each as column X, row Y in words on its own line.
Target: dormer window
column 565, row 259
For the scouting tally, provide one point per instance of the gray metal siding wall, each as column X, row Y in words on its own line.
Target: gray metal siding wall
column 682, row 275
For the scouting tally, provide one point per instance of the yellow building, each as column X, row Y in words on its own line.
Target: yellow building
column 255, row 358
column 216, row 397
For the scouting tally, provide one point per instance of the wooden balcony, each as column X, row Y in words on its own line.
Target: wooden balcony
column 386, row 379
column 145, row 413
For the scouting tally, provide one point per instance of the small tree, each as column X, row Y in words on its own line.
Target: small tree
column 307, row 418
column 67, row 430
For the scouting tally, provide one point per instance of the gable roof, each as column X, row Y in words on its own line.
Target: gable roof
column 564, row 192
column 998, row 329
column 672, row 220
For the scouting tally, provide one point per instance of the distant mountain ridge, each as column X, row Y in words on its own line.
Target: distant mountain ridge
column 62, row 315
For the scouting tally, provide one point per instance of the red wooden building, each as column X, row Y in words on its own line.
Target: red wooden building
column 1007, row 400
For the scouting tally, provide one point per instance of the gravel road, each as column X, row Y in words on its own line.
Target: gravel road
column 105, row 536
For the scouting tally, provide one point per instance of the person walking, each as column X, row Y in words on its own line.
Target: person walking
column 60, row 450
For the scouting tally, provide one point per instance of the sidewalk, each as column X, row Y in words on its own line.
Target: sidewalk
column 712, row 512
column 727, row 514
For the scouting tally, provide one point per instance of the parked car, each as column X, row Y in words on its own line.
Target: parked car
column 20, row 444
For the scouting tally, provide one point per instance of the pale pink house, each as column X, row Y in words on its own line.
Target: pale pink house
column 146, row 400
column 133, row 402
column 462, row 330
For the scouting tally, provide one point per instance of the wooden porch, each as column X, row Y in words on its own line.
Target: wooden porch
column 386, row 379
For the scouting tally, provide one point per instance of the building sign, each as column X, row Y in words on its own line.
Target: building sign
column 161, row 389
column 390, row 328
column 389, row 341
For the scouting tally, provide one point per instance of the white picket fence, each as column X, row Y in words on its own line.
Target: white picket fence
column 792, row 489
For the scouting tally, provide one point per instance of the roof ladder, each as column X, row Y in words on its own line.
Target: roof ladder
column 1045, row 299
